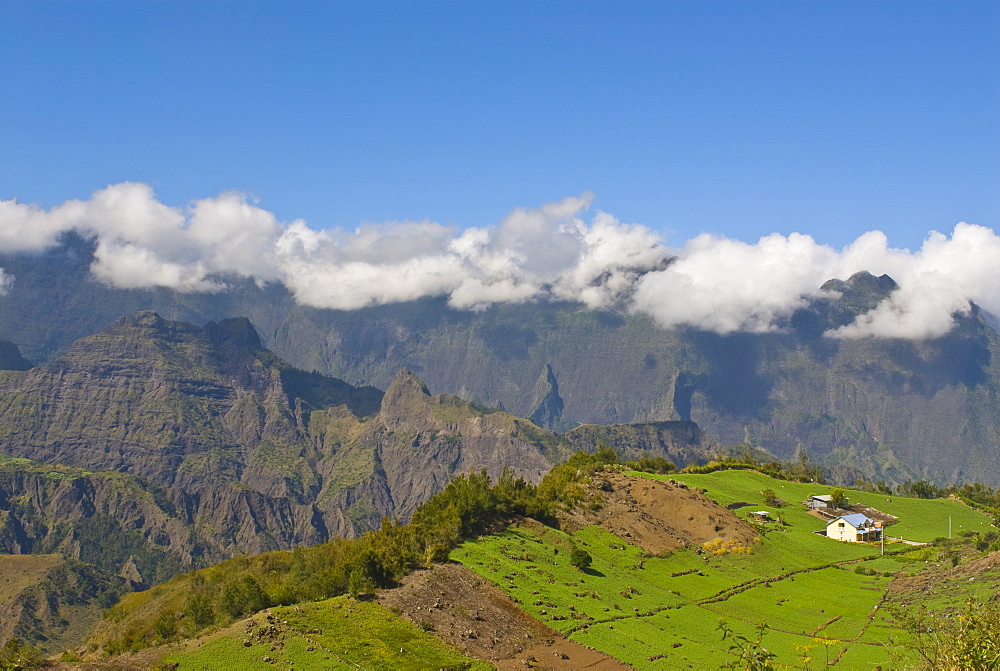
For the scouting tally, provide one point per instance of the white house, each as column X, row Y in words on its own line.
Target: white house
column 855, row 528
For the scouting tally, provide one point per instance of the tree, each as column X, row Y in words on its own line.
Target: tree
column 770, row 498
column 17, row 655
column 580, row 558
column 165, row 625
column 366, row 574
column 839, row 498
column 243, row 597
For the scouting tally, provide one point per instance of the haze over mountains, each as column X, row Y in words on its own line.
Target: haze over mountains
column 880, row 408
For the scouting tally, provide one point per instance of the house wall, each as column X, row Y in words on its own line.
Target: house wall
column 842, row 533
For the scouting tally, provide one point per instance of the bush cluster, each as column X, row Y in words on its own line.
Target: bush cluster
column 470, row 505
column 797, row 471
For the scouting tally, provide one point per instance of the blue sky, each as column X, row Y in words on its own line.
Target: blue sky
column 741, row 119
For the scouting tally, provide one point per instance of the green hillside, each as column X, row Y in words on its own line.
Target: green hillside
column 818, row 598
column 787, row 595
column 336, row 633
column 920, row 520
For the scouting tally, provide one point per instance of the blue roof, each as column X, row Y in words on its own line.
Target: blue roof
column 855, row 519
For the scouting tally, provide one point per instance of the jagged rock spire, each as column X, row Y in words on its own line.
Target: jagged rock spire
column 548, row 404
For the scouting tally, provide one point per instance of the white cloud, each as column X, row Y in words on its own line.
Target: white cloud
column 234, row 236
column 725, row 285
column 6, row 280
column 548, row 252
column 935, row 283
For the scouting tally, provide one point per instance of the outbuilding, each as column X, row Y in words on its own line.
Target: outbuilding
column 820, row 501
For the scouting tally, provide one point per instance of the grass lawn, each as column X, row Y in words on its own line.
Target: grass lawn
column 338, row 633
column 920, row 520
column 666, row 611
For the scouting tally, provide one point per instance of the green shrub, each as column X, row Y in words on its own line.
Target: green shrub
column 580, row 558
column 242, row 597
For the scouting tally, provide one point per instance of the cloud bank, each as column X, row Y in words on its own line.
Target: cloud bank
column 550, row 252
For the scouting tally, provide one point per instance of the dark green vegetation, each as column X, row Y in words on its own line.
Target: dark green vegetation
column 891, row 410
column 213, row 597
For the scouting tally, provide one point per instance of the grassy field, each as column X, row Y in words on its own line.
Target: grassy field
column 920, row 520
column 820, row 599
column 338, row 633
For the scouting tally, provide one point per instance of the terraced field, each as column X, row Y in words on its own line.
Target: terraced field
column 819, row 599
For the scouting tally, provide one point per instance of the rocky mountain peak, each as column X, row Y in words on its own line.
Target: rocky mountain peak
column 844, row 301
column 144, row 319
column 234, row 339
column 10, row 357
column 548, row 404
column 144, row 326
column 405, row 385
column 406, row 396
column 862, row 283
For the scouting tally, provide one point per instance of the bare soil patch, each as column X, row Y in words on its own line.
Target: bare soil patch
column 656, row 515
column 827, row 514
column 476, row 617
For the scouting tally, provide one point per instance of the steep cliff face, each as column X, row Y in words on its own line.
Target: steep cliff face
column 239, row 451
column 10, row 357
column 50, row 601
column 181, row 406
column 876, row 407
column 116, row 522
column 683, row 443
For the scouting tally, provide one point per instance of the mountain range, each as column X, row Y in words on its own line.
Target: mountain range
column 874, row 408
column 187, row 445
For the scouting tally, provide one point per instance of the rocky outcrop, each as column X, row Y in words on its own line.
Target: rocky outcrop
column 194, row 444
column 10, row 357
column 548, row 405
column 683, row 443
column 50, row 601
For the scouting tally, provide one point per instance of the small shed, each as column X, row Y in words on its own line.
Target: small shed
column 854, row 528
column 820, row 501
column 761, row 515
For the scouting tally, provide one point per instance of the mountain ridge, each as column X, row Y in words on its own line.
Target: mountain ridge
column 883, row 408
column 209, row 445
